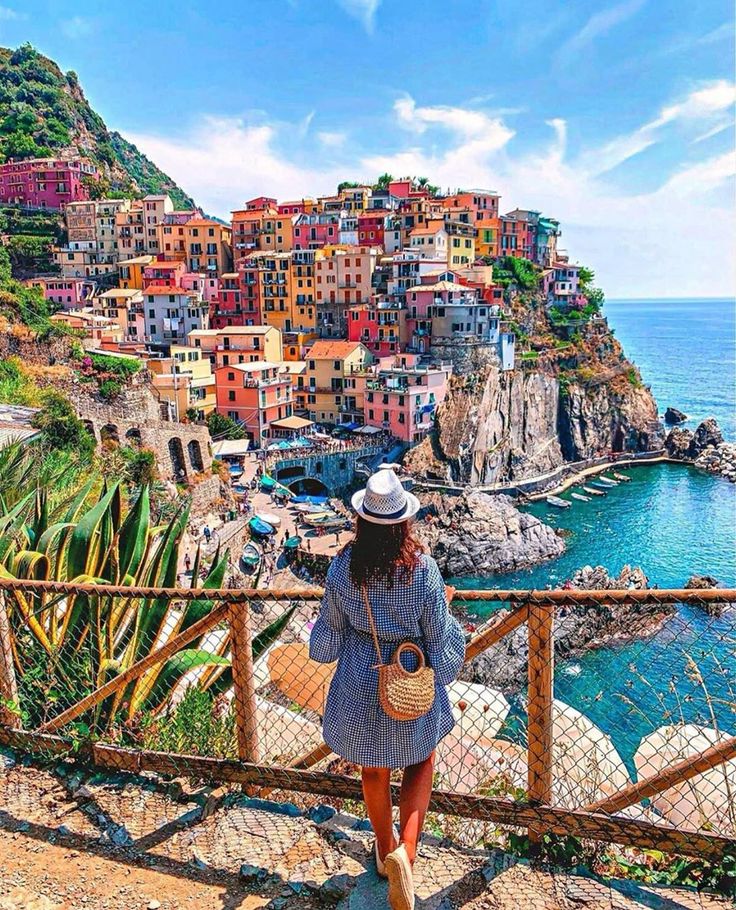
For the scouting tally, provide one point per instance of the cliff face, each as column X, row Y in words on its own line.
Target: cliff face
column 580, row 400
column 477, row 534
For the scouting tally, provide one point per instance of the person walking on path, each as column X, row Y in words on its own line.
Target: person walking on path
column 382, row 591
column 207, row 533
column 187, row 563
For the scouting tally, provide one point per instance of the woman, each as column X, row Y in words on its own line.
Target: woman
column 408, row 602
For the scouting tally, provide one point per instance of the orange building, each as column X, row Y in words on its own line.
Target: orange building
column 254, row 395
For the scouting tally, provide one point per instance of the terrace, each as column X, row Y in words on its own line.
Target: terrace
column 551, row 771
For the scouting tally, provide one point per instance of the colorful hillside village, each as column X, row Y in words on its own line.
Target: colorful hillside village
column 349, row 310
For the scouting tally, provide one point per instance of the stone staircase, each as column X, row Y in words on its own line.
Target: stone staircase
column 282, row 857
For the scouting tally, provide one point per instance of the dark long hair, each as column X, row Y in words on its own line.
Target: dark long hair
column 383, row 552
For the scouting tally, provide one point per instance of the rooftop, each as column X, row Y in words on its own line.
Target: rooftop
column 121, row 292
column 327, row 349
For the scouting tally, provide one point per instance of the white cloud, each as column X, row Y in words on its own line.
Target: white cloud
column 702, row 104
column 598, row 25
column 362, row 10
column 77, row 27
column 8, row 15
column 638, row 242
column 332, row 139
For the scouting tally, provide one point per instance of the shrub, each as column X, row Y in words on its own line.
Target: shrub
column 140, row 466
column 222, row 427
column 60, row 426
column 119, row 366
column 110, row 389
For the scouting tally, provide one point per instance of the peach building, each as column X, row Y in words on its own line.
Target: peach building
column 239, row 344
column 255, row 395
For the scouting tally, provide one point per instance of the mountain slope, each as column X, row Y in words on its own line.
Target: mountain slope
column 43, row 110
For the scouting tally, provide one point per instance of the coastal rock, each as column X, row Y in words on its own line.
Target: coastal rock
column 478, row 534
column 674, row 416
column 578, row 628
column 707, row 434
column 678, row 442
column 696, row 582
column 496, row 427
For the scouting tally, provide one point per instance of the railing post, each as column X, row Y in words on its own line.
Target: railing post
column 8, row 687
column 241, row 655
column 539, row 706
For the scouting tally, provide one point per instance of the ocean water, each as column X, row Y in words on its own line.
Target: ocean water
column 671, row 520
column 686, row 351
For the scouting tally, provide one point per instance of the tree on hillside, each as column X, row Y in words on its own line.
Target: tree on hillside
column 346, row 185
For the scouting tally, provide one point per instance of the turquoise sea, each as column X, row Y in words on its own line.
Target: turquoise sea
column 671, row 520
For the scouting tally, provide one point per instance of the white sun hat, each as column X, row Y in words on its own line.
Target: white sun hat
column 384, row 500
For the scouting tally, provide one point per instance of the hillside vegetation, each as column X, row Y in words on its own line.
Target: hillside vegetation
column 43, row 110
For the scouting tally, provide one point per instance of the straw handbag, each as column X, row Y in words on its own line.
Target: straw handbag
column 403, row 694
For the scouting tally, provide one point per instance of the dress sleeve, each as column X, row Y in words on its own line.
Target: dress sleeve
column 443, row 634
column 328, row 633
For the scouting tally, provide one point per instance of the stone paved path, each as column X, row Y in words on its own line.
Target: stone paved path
column 75, row 839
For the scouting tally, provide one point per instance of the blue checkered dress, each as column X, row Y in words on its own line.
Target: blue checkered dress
column 354, row 724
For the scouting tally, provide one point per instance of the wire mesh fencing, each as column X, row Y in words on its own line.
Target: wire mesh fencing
column 607, row 715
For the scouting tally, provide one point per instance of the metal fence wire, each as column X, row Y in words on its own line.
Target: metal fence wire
column 631, row 743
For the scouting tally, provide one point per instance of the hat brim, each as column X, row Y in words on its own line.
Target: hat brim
column 412, row 507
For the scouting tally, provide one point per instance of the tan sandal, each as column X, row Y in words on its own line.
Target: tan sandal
column 400, row 880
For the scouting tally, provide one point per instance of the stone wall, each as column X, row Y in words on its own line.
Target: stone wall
column 466, row 355
column 134, row 418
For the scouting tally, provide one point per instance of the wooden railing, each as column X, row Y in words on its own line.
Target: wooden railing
column 596, row 820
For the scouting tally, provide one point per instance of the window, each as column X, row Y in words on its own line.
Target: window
column 152, row 314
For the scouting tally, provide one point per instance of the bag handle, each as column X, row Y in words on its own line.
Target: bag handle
column 415, row 649
column 372, row 624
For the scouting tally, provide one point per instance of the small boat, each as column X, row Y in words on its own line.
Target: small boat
column 269, row 519
column 609, row 480
column 292, row 543
column 261, row 528
column 251, row 556
column 624, row 477
column 303, row 499
column 309, row 517
column 593, row 492
column 558, row 503
column 268, row 483
column 307, row 507
column 580, row 496
column 325, row 521
column 235, row 471
column 600, row 485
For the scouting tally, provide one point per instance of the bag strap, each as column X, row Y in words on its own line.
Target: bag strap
column 372, row 623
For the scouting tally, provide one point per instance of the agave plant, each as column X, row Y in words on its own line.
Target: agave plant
column 99, row 544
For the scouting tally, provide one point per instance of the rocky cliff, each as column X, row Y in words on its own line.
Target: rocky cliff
column 578, row 628
column 477, row 534
column 571, row 401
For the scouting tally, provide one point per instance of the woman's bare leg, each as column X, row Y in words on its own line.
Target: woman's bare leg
column 416, row 788
column 377, row 795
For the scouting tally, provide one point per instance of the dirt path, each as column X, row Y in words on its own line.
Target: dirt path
column 38, row 875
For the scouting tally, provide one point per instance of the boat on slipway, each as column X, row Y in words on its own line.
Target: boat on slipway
column 557, row 502
column 592, row 491
column 251, row 556
column 599, row 485
column 261, row 528
column 581, row 496
column 608, row 480
column 622, row 477
column 325, row 521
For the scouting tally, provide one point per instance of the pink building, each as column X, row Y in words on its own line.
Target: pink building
column 314, row 231
column 380, row 326
column 238, row 300
column 163, row 273
column 68, row 293
column 371, row 227
column 404, row 395
column 45, row 183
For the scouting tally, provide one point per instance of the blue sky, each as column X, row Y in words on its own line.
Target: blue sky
column 616, row 117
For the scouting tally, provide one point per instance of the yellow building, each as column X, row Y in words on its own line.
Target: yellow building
column 207, row 245
column 460, row 243
column 238, row 344
column 296, row 344
column 297, row 369
column 125, row 307
column 334, row 393
column 131, row 271
column 185, row 380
